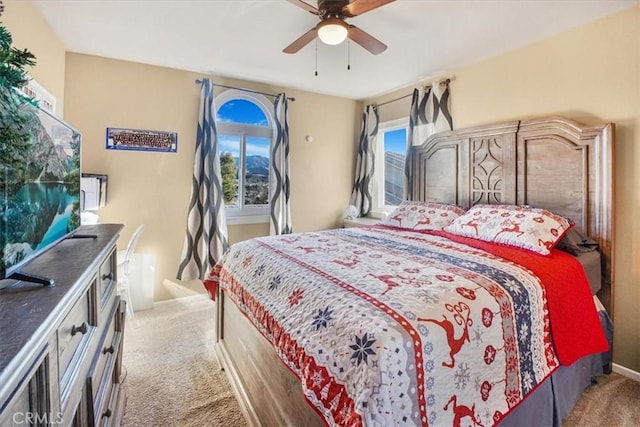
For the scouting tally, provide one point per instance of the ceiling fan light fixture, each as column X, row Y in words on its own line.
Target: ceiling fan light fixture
column 332, row 31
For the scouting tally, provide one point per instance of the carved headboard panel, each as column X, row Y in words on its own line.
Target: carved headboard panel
column 552, row 163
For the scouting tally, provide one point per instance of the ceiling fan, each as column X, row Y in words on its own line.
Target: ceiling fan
column 332, row 28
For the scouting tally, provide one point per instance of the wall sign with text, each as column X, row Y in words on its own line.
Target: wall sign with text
column 34, row 90
column 141, row 140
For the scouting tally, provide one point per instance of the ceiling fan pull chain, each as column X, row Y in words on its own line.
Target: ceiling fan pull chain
column 348, row 54
column 316, row 57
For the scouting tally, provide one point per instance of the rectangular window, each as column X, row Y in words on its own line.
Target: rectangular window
column 391, row 150
column 256, row 171
column 395, row 150
column 230, row 166
column 244, row 169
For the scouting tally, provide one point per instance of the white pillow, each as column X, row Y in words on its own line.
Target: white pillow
column 422, row 215
column 537, row 230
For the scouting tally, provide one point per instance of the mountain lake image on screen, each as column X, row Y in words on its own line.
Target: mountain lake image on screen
column 39, row 189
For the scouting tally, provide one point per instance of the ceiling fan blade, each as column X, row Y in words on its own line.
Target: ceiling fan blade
column 358, row 7
column 305, row 6
column 366, row 40
column 301, row 42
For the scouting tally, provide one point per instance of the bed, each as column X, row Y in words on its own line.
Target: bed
column 391, row 324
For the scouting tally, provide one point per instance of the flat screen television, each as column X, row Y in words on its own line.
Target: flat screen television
column 39, row 191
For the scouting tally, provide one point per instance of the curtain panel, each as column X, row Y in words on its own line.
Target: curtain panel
column 280, row 187
column 206, row 236
column 429, row 114
column 361, row 194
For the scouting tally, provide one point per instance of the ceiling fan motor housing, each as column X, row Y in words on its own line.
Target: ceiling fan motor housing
column 332, row 8
column 333, row 29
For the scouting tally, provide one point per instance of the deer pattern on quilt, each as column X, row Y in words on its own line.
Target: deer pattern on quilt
column 384, row 327
column 462, row 411
column 460, row 319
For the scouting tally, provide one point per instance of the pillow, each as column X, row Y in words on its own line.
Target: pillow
column 576, row 243
column 422, row 215
column 537, row 230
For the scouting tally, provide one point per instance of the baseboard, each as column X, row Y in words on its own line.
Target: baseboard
column 181, row 300
column 629, row 373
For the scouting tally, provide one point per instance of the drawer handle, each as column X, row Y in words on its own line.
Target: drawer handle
column 107, row 413
column 82, row 329
column 107, row 276
column 107, row 350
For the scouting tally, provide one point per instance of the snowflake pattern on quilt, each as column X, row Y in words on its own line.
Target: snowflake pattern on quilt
column 388, row 327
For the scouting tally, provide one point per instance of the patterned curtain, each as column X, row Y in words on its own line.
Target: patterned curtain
column 361, row 193
column 206, row 237
column 280, row 186
column 429, row 114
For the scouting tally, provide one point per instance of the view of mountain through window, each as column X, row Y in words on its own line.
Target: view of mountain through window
column 395, row 149
column 244, row 141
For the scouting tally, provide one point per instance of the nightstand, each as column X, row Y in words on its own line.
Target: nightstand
column 359, row 222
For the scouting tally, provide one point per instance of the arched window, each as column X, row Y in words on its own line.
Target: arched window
column 245, row 128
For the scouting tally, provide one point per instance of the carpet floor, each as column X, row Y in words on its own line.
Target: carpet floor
column 173, row 377
column 172, row 374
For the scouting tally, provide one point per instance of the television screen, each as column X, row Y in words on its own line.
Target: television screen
column 39, row 189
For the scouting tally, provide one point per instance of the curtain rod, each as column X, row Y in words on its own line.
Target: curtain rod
column 445, row 81
column 394, row 100
column 245, row 90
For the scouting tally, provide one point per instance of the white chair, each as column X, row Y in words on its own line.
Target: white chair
column 124, row 259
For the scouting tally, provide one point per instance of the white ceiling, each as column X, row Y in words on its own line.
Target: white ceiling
column 244, row 38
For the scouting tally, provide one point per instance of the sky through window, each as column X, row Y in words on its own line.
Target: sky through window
column 242, row 111
column 396, row 141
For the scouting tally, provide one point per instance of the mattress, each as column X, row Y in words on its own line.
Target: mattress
column 591, row 262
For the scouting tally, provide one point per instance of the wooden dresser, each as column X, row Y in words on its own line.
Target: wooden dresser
column 61, row 346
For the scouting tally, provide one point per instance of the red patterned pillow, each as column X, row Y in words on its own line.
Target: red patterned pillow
column 422, row 215
column 537, row 230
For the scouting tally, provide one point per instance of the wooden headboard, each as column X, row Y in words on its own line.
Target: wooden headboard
column 552, row 163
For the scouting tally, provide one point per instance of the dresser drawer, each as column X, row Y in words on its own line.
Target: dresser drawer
column 107, row 277
column 32, row 395
column 74, row 335
column 104, row 371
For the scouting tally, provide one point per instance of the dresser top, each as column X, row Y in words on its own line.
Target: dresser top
column 30, row 312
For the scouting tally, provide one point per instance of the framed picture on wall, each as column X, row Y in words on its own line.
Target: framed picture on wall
column 141, row 140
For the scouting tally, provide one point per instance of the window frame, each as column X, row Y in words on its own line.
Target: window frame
column 246, row 214
column 379, row 208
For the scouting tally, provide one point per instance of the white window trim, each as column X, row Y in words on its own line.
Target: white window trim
column 379, row 209
column 246, row 214
column 239, row 219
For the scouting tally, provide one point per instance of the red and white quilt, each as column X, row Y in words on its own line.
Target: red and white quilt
column 386, row 327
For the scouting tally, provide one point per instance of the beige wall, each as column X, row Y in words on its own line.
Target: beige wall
column 30, row 31
column 592, row 75
column 154, row 188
